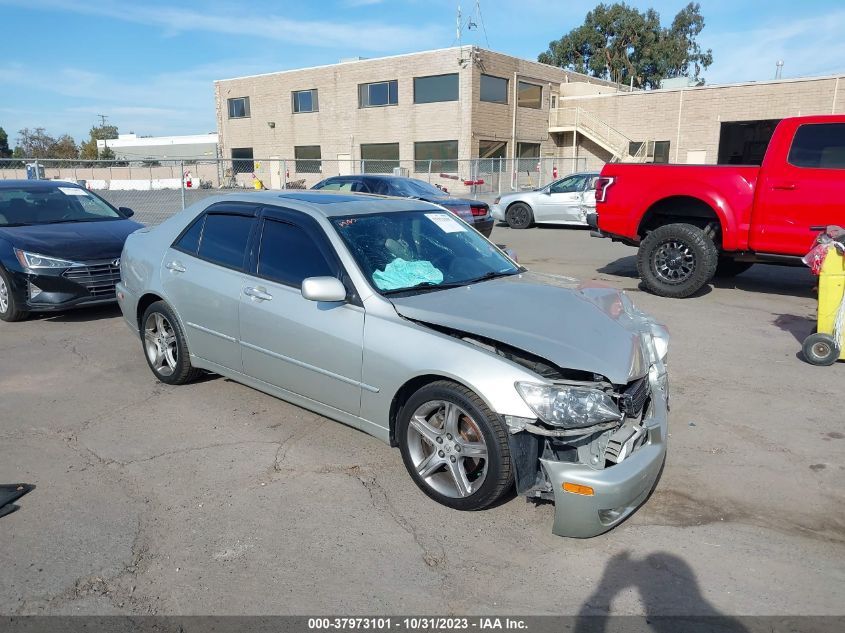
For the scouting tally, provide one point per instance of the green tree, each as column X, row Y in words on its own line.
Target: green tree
column 88, row 149
column 64, row 147
column 35, row 142
column 620, row 43
column 5, row 152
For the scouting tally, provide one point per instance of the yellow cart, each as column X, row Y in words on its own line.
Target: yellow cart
column 825, row 346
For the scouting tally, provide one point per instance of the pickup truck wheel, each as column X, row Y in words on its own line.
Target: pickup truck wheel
column 676, row 260
column 519, row 216
column 728, row 267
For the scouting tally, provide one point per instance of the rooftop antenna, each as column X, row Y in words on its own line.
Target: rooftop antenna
column 779, row 69
column 472, row 23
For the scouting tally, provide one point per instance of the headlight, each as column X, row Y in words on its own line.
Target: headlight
column 570, row 407
column 33, row 260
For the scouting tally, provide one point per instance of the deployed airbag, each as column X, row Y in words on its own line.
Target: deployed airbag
column 404, row 274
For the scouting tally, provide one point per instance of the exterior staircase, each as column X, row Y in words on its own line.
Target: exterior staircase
column 580, row 121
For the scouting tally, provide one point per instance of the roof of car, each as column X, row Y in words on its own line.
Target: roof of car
column 331, row 203
column 42, row 184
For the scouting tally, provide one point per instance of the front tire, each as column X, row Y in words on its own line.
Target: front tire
column 165, row 346
column 10, row 309
column 454, row 447
column 519, row 216
column 676, row 260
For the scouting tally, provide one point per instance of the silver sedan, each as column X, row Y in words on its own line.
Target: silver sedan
column 564, row 201
column 399, row 319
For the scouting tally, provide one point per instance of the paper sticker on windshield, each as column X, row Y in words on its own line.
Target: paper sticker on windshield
column 73, row 191
column 447, row 223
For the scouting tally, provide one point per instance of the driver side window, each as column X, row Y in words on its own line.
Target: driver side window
column 567, row 185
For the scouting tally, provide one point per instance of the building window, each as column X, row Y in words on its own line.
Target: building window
column 308, row 159
column 436, row 88
column 529, row 95
column 239, row 108
column 528, row 156
column 379, row 158
column 819, row 145
column 661, row 152
column 436, row 156
column 242, row 160
column 305, row 101
column 494, row 89
column 492, row 156
column 380, row 93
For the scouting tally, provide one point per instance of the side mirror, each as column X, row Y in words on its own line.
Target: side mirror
column 329, row 289
column 547, row 191
column 126, row 211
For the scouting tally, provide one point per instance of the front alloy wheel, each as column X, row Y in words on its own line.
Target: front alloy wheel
column 454, row 447
column 165, row 346
column 9, row 310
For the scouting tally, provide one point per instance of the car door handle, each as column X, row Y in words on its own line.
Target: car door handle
column 175, row 267
column 787, row 186
column 259, row 294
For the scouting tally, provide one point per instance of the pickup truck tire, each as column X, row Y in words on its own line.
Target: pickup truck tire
column 676, row 260
column 728, row 267
column 519, row 216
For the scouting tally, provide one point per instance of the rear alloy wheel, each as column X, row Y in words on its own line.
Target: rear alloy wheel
column 519, row 216
column 9, row 310
column 455, row 448
column 728, row 267
column 820, row 349
column 165, row 347
column 676, row 260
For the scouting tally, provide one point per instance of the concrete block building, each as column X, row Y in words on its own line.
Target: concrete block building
column 437, row 111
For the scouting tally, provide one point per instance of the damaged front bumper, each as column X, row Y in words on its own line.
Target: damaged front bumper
column 590, row 500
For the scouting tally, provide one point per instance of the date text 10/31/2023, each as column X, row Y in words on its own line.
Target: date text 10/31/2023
column 415, row 623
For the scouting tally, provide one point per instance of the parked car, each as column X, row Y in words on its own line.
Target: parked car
column 694, row 222
column 60, row 247
column 474, row 212
column 394, row 317
column 564, row 201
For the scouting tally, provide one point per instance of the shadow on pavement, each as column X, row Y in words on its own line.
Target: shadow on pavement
column 669, row 592
column 800, row 327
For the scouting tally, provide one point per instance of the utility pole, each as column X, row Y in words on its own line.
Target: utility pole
column 103, row 118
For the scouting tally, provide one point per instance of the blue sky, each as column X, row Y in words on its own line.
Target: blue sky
column 149, row 65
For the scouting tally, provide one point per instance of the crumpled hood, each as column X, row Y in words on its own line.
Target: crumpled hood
column 575, row 325
column 76, row 241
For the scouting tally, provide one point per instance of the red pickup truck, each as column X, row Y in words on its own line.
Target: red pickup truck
column 692, row 222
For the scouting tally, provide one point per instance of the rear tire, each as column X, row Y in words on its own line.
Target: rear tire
column 10, row 309
column 519, row 216
column 165, row 346
column 728, row 267
column 454, row 447
column 820, row 349
column 676, row 260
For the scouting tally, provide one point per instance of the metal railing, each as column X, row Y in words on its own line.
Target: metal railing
column 155, row 190
column 599, row 130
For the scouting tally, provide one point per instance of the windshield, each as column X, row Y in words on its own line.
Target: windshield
column 416, row 251
column 412, row 188
column 39, row 205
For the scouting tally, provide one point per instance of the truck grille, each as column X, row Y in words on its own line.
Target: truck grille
column 98, row 278
column 633, row 399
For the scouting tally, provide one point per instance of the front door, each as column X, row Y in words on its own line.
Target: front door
column 202, row 277
column 807, row 189
column 310, row 348
column 344, row 164
column 561, row 201
column 275, row 173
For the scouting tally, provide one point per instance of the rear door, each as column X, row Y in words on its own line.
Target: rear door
column 310, row 348
column 561, row 201
column 202, row 277
column 806, row 189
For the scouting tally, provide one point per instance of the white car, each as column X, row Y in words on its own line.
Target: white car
column 564, row 201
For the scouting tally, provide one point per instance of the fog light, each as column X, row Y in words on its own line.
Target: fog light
column 578, row 489
column 34, row 290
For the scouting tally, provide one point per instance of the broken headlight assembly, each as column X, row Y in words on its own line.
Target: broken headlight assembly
column 569, row 407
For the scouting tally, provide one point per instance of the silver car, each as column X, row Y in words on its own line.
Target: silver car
column 564, row 201
column 397, row 318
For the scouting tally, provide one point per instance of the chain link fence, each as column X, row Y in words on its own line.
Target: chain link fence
column 155, row 190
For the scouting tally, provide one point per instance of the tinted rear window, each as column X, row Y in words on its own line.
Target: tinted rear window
column 190, row 240
column 225, row 238
column 819, row 145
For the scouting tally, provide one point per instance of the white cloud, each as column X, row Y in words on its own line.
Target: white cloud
column 808, row 46
column 239, row 20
